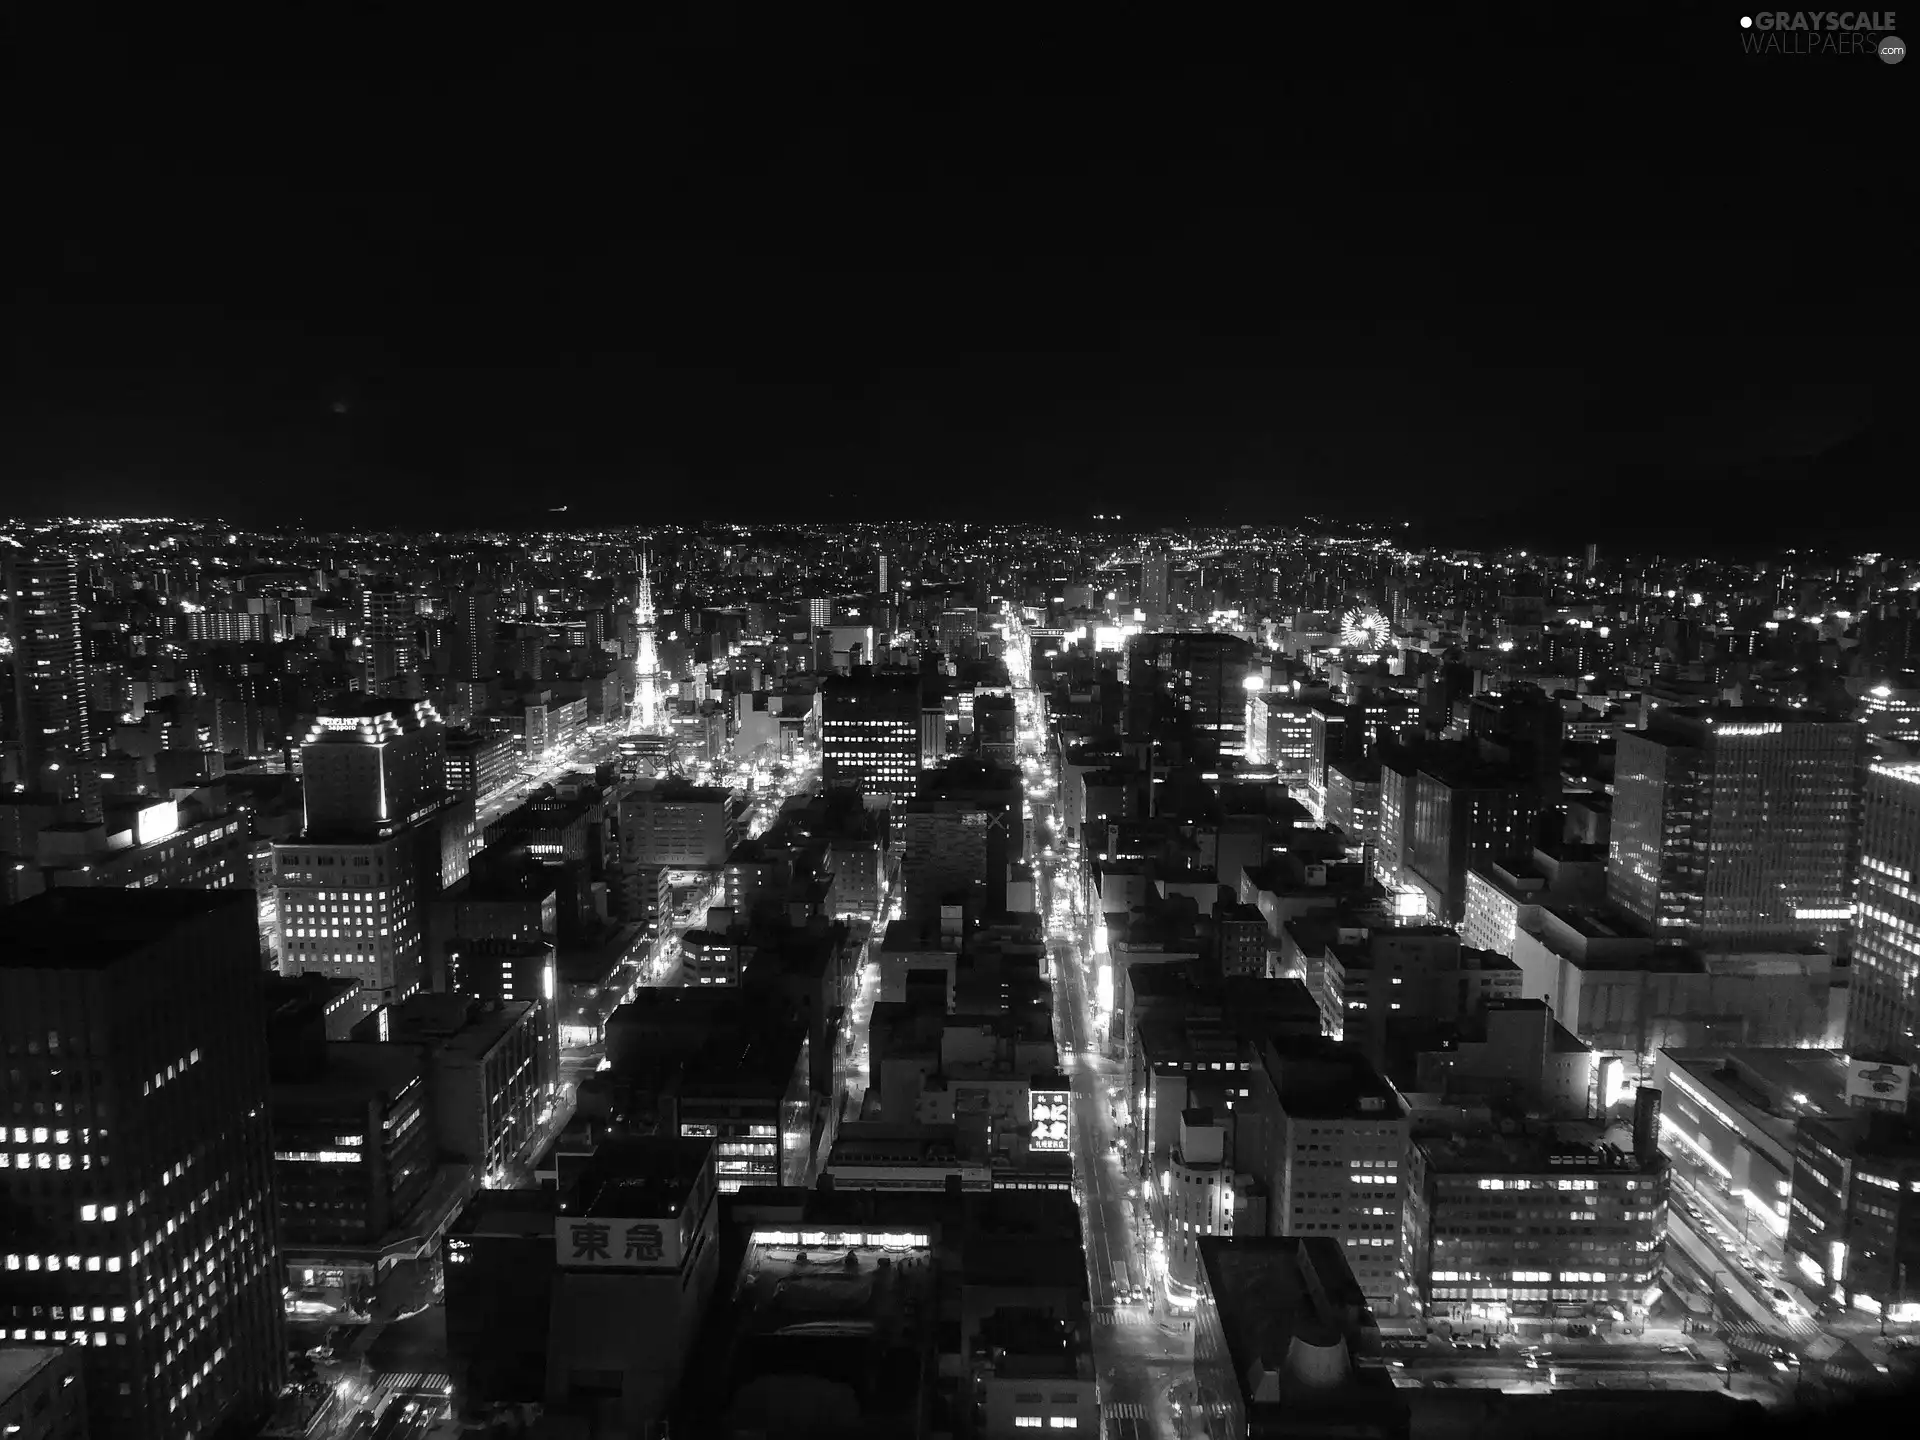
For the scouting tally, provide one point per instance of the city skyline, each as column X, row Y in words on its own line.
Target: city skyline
column 768, row 726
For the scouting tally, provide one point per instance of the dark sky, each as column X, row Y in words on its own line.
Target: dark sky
column 1466, row 268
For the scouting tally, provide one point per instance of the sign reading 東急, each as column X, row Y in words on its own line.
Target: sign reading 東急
column 602, row 1242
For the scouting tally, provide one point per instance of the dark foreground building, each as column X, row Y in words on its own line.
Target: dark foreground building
column 138, row 1220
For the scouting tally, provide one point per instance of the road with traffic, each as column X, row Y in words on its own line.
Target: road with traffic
column 1142, row 1355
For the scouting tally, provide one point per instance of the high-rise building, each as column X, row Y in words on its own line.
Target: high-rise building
column 1462, row 815
column 474, row 641
column 1883, row 1011
column 41, row 1397
column 47, row 626
column 383, row 836
column 372, row 763
column 389, row 640
column 1204, row 676
column 1734, row 828
column 1155, row 565
column 138, row 1186
column 1326, row 1133
column 870, row 732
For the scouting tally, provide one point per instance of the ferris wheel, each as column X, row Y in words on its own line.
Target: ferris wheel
column 1363, row 628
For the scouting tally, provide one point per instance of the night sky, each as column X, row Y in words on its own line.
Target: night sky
column 1560, row 283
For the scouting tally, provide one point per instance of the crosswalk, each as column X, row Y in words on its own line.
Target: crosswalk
column 417, row 1383
column 1135, row 1319
column 1125, row 1410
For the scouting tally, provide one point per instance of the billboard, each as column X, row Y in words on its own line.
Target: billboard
column 599, row 1242
column 1052, row 1120
column 1879, row 1084
column 1646, row 1122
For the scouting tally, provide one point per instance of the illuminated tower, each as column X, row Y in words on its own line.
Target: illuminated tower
column 646, row 670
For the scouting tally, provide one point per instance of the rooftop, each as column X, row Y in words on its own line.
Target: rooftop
column 525, row 1214
column 20, row 1363
column 1321, row 1079
column 1281, row 1295
column 1571, row 1148
column 356, row 1073
column 1770, row 1084
column 639, row 1175
column 91, row 929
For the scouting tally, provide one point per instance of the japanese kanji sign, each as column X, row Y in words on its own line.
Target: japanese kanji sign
column 603, row 1243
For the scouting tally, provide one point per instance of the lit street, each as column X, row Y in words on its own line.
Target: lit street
column 1144, row 1360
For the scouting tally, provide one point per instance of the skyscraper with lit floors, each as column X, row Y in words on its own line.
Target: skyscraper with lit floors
column 1884, row 1007
column 383, row 836
column 1733, row 828
column 138, row 1223
column 47, row 629
column 870, row 732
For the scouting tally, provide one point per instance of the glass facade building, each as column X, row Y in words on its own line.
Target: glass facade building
column 1884, row 1007
column 1734, row 828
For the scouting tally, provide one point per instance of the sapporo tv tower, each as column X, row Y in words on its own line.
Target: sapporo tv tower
column 645, row 717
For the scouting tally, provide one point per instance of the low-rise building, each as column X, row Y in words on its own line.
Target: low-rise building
column 1730, row 1123
column 1284, row 1345
column 1854, row 1232
column 872, row 1155
column 1526, row 1228
column 486, row 1074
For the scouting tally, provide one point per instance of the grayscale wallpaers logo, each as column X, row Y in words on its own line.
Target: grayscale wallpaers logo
column 1823, row 32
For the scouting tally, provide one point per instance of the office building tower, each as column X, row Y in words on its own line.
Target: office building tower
column 1523, row 728
column 870, row 733
column 1155, row 565
column 502, row 968
column 369, row 764
column 1555, row 1222
column 646, row 717
column 474, row 642
column 46, row 613
column 1326, row 1133
column 383, row 836
column 1203, row 679
column 474, row 635
column 1734, row 828
column 933, row 734
column 881, row 574
column 389, row 640
column 353, row 1149
column 1462, row 815
column 138, row 1189
column 1883, row 1011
